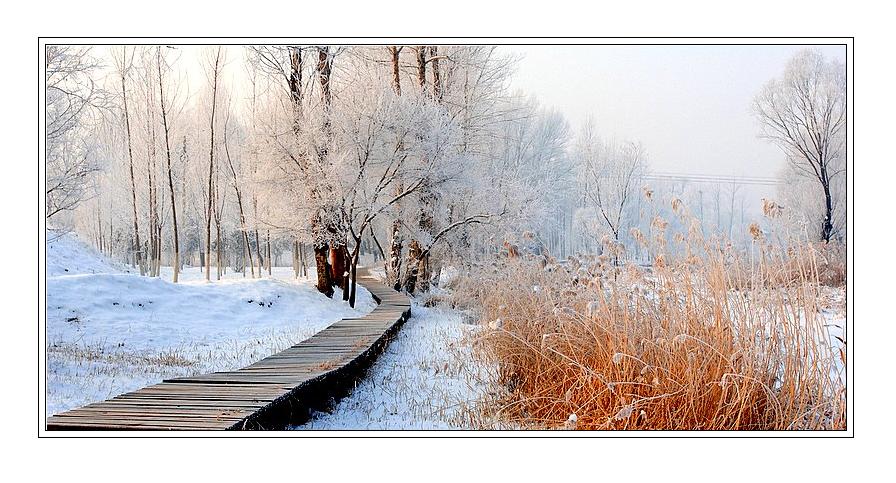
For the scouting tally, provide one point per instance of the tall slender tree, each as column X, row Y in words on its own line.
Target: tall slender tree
column 215, row 65
column 123, row 65
column 167, row 131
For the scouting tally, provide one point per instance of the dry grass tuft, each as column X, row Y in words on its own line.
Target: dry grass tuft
column 722, row 341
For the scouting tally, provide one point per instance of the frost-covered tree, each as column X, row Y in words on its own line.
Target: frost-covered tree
column 610, row 174
column 73, row 96
column 804, row 113
column 418, row 149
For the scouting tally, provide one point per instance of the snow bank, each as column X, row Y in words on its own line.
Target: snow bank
column 68, row 255
column 110, row 332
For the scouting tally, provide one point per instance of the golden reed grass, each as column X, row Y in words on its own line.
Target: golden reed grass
column 712, row 341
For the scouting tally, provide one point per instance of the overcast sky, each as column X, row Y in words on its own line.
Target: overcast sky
column 688, row 105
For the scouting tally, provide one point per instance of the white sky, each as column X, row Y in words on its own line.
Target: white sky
column 689, row 105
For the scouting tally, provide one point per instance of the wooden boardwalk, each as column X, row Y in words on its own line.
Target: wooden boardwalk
column 274, row 392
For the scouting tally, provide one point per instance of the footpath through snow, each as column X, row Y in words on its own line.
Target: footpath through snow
column 110, row 331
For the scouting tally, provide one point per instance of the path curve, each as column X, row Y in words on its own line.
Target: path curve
column 273, row 393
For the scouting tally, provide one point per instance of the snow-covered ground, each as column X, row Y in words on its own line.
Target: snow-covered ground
column 67, row 255
column 426, row 379
column 110, row 332
column 833, row 309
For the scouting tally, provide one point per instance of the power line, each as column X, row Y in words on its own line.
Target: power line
column 701, row 178
column 700, row 175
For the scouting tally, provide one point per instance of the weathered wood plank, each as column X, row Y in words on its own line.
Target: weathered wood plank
column 288, row 382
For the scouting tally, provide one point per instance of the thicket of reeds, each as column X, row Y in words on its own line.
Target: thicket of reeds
column 710, row 339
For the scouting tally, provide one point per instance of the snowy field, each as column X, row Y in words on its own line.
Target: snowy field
column 426, row 379
column 110, row 331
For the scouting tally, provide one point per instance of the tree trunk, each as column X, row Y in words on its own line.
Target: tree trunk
column 346, row 276
column 158, row 257
column 354, row 273
column 423, row 273
column 322, row 267
column 152, row 243
column 354, row 289
column 394, row 51
column 436, row 74
column 127, row 125
column 421, row 67
column 239, row 201
column 393, row 263
column 414, row 253
column 176, row 262
column 295, row 258
column 269, row 261
column 339, row 267
column 258, row 249
column 827, row 225
column 218, row 250
column 211, row 170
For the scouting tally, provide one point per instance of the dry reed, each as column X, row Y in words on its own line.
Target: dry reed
column 710, row 340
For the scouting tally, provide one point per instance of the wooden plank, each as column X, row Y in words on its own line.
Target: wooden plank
column 220, row 400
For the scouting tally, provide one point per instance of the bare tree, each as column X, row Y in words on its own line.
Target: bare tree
column 123, row 65
column 167, row 130
column 610, row 174
column 153, row 249
column 215, row 66
column 239, row 200
column 71, row 94
column 396, row 244
column 804, row 113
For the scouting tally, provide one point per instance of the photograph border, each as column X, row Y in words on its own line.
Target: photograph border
column 846, row 41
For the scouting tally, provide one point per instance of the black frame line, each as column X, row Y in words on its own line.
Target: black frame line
column 43, row 41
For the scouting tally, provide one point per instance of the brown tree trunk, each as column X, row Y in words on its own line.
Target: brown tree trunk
column 394, row 51
column 421, row 67
column 423, row 273
column 339, row 267
column 322, row 267
column 396, row 244
column 330, row 232
column 416, row 267
column 414, row 252
column 295, row 76
column 436, row 74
